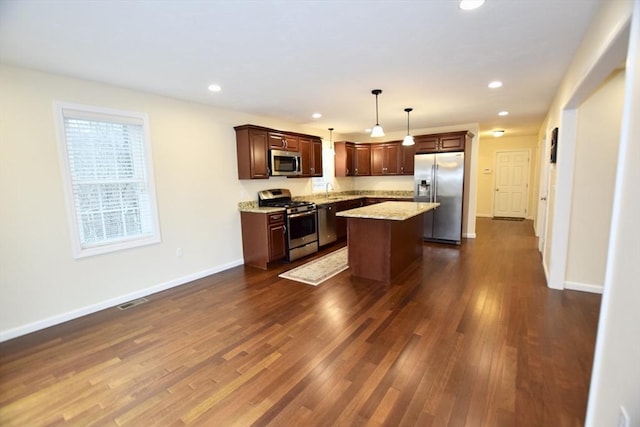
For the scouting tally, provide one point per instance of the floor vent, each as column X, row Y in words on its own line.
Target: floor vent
column 132, row 303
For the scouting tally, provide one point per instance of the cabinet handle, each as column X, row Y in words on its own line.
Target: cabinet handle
column 284, row 229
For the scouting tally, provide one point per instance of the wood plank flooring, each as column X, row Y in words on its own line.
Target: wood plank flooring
column 468, row 336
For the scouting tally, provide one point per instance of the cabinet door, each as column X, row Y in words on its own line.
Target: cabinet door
column 377, row 159
column 452, row 143
column 392, row 158
column 350, row 160
column 252, row 153
column 407, row 159
column 363, row 160
column 277, row 244
column 291, row 142
column 306, row 153
column 276, row 140
column 316, row 157
column 426, row 144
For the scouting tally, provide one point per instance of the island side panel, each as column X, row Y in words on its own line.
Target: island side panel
column 382, row 249
column 369, row 249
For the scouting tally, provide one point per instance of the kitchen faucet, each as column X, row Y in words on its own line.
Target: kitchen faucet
column 327, row 188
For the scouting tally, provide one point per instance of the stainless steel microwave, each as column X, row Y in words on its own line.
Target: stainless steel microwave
column 284, row 163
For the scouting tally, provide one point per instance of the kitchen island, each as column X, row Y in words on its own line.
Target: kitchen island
column 385, row 238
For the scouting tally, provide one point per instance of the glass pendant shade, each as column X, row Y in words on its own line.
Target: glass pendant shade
column 408, row 140
column 377, row 129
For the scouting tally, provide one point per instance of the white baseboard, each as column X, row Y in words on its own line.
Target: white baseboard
column 74, row 314
column 584, row 287
column 469, row 235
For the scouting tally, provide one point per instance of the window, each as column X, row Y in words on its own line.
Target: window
column 106, row 160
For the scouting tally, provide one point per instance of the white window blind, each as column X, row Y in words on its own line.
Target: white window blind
column 109, row 179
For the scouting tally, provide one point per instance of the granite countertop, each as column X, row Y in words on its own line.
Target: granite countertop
column 333, row 197
column 395, row 211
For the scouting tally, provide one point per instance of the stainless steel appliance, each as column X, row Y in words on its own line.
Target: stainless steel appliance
column 440, row 178
column 301, row 221
column 285, row 163
column 326, row 224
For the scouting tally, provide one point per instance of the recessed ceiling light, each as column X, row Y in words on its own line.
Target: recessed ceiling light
column 316, row 115
column 470, row 4
column 498, row 133
column 503, row 113
column 495, row 84
column 214, row 88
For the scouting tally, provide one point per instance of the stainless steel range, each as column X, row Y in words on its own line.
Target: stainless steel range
column 300, row 220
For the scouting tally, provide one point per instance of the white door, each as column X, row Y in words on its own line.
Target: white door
column 511, row 184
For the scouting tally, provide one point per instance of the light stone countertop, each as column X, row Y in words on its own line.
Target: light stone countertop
column 395, row 211
column 322, row 198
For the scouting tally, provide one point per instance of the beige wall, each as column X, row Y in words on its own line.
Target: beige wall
column 596, row 154
column 488, row 147
column 197, row 187
column 194, row 157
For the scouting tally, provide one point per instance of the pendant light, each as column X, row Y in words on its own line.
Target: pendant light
column 377, row 129
column 408, row 140
column 332, row 149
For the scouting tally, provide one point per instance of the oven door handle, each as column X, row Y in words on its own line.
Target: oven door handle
column 298, row 215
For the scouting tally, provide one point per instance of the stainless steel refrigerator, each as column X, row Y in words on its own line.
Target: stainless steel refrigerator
column 440, row 178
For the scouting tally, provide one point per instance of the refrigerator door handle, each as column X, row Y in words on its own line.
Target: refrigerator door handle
column 434, row 171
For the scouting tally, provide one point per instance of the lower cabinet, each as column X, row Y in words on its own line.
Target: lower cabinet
column 263, row 238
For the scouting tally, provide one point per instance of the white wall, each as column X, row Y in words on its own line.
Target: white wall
column 596, row 155
column 601, row 52
column 616, row 377
column 198, row 191
column 616, row 374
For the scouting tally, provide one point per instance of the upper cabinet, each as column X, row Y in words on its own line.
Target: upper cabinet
column 311, row 153
column 442, row 142
column 344, row 158
column 362, row 160
column 385, row 158
column 254, row 142
column 252, row 146
column 407, row 153
column 283, row 141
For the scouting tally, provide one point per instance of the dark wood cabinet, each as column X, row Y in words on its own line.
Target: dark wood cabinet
column 362, row 160
column 344, row 158
column 385, row 158
column 263, row 238
column 254, row 142
column 443, row 142
column 407, row 159
column 283, row 141
column 252, row 146
column 311, row 154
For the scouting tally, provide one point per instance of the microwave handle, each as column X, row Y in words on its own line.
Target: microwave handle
column 298, row 164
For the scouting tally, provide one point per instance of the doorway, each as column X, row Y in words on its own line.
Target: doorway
column 511, row 183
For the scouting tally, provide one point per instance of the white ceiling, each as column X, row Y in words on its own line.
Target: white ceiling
column 289, row 58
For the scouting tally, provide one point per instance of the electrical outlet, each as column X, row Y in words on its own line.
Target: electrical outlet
column 623, row 418
column 179, row 252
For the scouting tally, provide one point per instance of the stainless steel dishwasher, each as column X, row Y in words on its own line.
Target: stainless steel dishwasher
column 326, row 224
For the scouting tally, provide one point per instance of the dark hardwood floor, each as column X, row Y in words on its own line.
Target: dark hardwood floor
column 469, row 336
